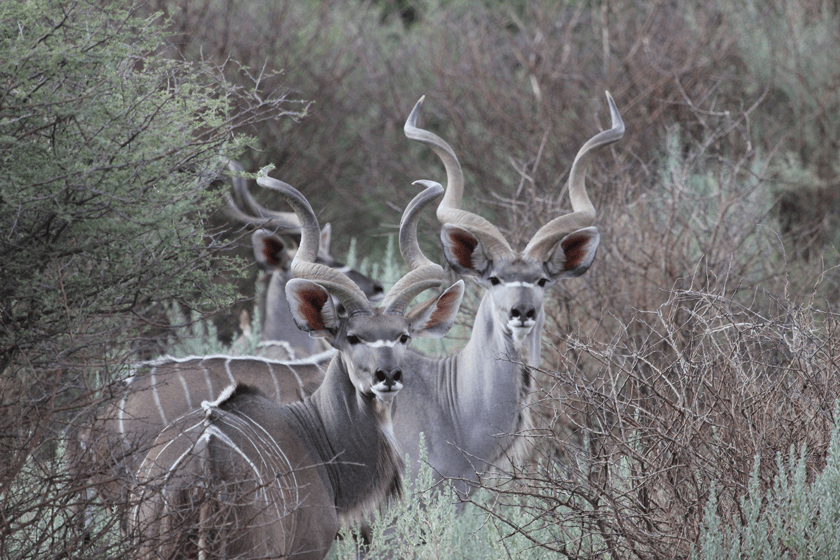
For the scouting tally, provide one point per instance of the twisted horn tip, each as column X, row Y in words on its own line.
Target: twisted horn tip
column 411, row 121
column 617, row 123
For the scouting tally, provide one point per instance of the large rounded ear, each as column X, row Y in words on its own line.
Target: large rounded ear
column 574, row 254
column 324, row 245
column 434, row 317
column 312, row 308
column 463, row 251
column 271, row 251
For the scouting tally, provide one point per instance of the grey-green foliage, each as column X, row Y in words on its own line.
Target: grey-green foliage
column 795, row 519
column 42, row 521
column 108, row 143
column 193, row 336
column 423, row 524
column 107, row 146
column 791, row 49
column 791, row 44
column 196, row 336
column 426, row 524
column 717, row 211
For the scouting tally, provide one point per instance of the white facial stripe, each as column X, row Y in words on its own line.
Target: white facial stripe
column 518, row 284
column 381, row 343
column 343, row 269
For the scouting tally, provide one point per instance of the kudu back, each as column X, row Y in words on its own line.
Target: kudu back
column 246, row 477
column 473, row 406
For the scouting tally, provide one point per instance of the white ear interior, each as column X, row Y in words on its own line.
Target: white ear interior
column 573, row 255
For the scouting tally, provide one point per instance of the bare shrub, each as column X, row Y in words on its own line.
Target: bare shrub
column 692, row 348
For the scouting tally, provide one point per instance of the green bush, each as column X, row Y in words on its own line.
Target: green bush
column 108, row 144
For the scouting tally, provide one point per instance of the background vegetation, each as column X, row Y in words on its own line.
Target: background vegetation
column 702, row 342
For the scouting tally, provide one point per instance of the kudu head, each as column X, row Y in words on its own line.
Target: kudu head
column 516, row 280
column 372, row 341
column 274, row 242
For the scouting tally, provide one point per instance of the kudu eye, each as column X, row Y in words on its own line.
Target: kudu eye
column 494, row 281
column 353, row 340
column 542, row 282
column 404, row 339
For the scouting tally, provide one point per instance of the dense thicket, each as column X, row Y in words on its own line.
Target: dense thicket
column 108, row 142
column 517, row 86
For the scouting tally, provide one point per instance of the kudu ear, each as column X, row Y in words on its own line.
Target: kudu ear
column 434, row 317
column 270, row 251
column 573, row 255
column 326, row 239
column 463, row 251
column 312, row 308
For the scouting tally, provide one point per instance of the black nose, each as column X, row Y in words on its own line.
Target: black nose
column 390, row 378
column 523, row 312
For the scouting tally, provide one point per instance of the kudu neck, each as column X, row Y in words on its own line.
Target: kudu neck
column 353, row 438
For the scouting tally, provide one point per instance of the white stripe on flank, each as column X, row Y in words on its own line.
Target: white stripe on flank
column 227, row 370
column 247, row 431
column 278, row 451
column 214, row 431
column 299, row 380
column 276, row 384
column 186, row 390
column 157, row 397
column 207, row 380
column 121, row 415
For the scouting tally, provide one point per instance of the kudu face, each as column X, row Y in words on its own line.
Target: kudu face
column 373, row 350
column 516, row 281
column 371, row 344
column 516, row 285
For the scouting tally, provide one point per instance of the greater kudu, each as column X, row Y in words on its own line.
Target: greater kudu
column 161, row 390
column 472, row 405
column 246, row 477
column 274, row 245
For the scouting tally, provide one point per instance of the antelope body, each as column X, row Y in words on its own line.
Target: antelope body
column 159, row 391
column 472, row 405
column 278, row 480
